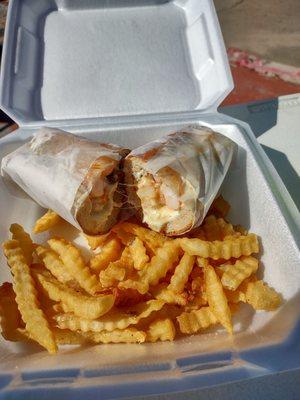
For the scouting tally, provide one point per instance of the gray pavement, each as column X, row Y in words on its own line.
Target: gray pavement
column 270, row 28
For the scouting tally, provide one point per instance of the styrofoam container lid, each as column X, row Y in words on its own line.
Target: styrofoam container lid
column 73, row 62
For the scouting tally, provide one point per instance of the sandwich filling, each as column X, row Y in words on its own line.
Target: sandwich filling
column 163, row 196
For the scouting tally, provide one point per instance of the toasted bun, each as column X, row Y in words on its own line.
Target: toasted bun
column 131, row 164
column 97, row 222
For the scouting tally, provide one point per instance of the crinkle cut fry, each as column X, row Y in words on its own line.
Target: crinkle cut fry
column 75, row 265
column 181, row 273
column 24, row 240
column 98, row 240
column 217, row 228
column 216, row 298
column 82, row 305
column 156, row 269
column 220, row 207
column 161, row 263
column 112, row 275
column 194, row 321
column 161, row 329
column 235, row 274
column 26, row 297
column 53, row 263
column 153, row 239
column 111, row 321
column 262, row 297
column 10, row 316
column 47, row 221
column 110, row 252
column 161, row 292
column 138, row 254
column 128, row 335
column 231, row 247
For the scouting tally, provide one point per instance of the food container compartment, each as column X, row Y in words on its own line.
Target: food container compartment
column 259, row 202
column 139, row 83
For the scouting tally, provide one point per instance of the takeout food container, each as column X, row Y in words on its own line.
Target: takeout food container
column 127, row 72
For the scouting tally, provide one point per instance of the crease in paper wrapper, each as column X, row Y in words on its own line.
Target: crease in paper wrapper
column 202, row 158
column 51, row 167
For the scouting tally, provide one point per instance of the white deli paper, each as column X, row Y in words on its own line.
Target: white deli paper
column 51, row 167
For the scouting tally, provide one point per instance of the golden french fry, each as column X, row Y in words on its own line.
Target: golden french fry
column 217, row 228
column 197, row 284
column 262, row 297
column 46, row 222
column 181, row 274
column 201, row 262
column 197, row 233
column 240, row 229
column 194, row 321
column 26, row 297
column 53, row 263
column 216, row 298
column 161, row 263
column 153, row 239
column 10, row 317
column 98, row 240
column 138, row 254
column 112, row 275
column 141, row 287
column 156, row 269
column 24, row 240
column 198, row 296
column 235, row 296
column 167, row 311
column 110, row 252
column 126, row 260
column 82, row 305
column 65, row 336
column 118, row 270
column 235, row 274
column 231, row 247
column 75, row 265
column 128, row 297
column 59, row 308
column 197, row 301
column 129, row 335
column 126, row 238
column 220, row 207
column 62, row 336
column 163, row 293
column 115, row 319
column 161, row 329
column 239, row 295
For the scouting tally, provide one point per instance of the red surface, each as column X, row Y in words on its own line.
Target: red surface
column 251, row 86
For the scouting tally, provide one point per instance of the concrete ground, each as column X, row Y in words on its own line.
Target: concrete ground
column 270, row 28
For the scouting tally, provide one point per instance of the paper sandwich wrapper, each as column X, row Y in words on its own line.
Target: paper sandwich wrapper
column 64, row 172
column 172, row 181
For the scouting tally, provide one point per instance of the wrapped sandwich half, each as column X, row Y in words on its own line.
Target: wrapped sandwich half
column 172, row 181
column 77, row 178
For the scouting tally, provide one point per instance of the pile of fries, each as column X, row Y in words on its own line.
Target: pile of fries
column 138, row 286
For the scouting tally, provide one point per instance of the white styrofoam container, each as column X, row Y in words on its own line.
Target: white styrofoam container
column 128, row 72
